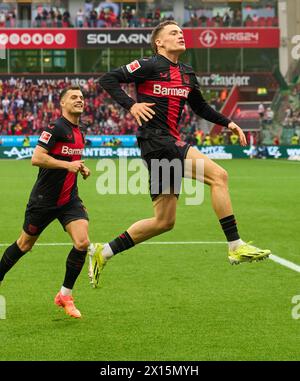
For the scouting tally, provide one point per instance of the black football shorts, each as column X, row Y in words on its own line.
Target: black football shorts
column 166, row 168
column 38, row 217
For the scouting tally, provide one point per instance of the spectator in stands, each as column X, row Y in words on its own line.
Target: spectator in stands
column 207, row 140
column 199, row 135
column 59, row 19
column 237, row 18
column 276, row 140
column 234, row 139
column 79, row 18
column 261, row 111
column 203, row 19
column 295, row 139
column 5, row 103
column 66, row 19
column 38, row 20
column 92, row 20
column 289, row 112
column 134, row 21
column 194, row 21
column 18, row 129
column 248, row 21
column 124, row 18
column 269, row 115
column 19, row 101
column 217, row 19
column 44, row 17
column 2, row 19
column 226, row 19
column 52, row 15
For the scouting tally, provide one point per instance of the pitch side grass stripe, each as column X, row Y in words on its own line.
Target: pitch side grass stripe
column 275, row 258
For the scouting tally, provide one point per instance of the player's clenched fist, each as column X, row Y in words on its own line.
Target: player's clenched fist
column 142, row 111
column 75, row 166
column 85, row 172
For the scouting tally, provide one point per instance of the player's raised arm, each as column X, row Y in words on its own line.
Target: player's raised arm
column 203, row 109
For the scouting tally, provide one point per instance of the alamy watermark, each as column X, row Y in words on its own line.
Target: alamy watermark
column 2, row 307
column 295, row 52
column 296, row 308
column 131, row 177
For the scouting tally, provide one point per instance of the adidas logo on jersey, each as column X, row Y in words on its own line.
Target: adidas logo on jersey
column 179, row 92
column 71, row 151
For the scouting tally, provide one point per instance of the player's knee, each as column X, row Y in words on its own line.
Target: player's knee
column 81, row 244
column 166, row 225
column 221, row 177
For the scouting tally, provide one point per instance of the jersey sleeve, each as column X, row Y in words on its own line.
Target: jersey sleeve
column 48, row 137
column 136, row 71
column 202, row 108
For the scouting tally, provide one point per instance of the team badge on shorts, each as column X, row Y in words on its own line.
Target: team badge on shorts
column 133, row 66
column 45, row 137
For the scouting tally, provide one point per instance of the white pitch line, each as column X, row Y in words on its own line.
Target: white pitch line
column 274, row 258
column 185, row 243
column 142, row 243
column 285, row 262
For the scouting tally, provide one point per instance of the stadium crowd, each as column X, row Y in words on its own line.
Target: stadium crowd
column 290, row 117
column 110, row 15
column 27, row 107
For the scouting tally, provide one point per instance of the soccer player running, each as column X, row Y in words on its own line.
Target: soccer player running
column 163, row 86
column 55, row 195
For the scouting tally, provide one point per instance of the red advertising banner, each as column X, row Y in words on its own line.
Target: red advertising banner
column 38, row 38
column 232, row 37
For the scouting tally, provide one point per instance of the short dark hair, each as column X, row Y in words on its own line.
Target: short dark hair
column 157, row 30
column 66, row 89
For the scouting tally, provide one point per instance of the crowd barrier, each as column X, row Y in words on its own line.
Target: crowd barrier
column 214, row 152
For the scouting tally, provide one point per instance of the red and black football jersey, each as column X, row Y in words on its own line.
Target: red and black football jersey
column 56, row 187
column 166, row 84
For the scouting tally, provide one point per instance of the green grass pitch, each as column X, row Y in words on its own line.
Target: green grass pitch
column 159, row 302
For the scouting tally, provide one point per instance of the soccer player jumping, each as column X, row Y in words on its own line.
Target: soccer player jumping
column 163, row 86
column 55, row 195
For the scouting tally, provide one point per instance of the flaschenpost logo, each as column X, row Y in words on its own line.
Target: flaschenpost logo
column 2, row 307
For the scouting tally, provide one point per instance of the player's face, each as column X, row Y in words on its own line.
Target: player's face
column 73, row 102
column 171, row 39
